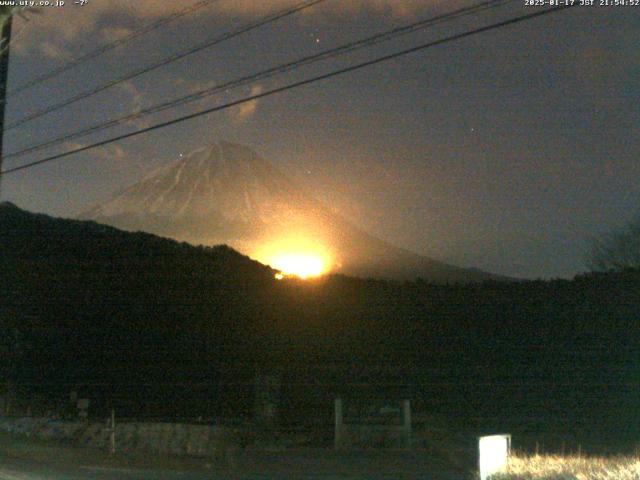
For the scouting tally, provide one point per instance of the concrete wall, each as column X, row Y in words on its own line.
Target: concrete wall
column 171, row 438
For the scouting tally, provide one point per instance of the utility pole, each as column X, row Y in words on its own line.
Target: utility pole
column 112, row 432
column 4, row 74
column 5, row 43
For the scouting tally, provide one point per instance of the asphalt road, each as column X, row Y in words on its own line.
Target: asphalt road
column 307, row 466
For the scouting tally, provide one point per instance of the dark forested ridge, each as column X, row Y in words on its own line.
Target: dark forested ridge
column 81, row 303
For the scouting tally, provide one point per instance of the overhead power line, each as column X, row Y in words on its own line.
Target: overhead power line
column 166, row 61
column 268, row 73
column 110, row 46
column 291, row 86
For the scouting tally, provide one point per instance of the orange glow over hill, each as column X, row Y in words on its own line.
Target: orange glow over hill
column 295, row 258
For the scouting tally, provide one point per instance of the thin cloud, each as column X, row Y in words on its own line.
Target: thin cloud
column 52, row 50
column 247, row 110
column 112, row 154
column 111, row 34
column 58, row 29
column 136, row 103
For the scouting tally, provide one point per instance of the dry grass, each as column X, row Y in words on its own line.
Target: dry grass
column 556, row 467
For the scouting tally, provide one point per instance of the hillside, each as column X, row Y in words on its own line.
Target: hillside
column 160, row 328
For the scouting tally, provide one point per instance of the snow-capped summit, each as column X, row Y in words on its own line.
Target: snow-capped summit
column 210, row 179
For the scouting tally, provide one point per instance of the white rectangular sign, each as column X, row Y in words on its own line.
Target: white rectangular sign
column 494, row 453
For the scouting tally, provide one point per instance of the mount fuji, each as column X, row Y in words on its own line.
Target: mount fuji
column 225, row 193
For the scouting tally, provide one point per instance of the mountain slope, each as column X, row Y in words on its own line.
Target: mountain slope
column 226, row 194
column 42, row 242
column 152, row 327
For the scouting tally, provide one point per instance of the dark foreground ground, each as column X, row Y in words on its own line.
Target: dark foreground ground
column 22, row 459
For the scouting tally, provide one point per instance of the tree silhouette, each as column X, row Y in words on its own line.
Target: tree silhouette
column 618, row 250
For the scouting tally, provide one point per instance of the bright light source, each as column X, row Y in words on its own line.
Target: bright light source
column 298, row 264
column 494, row 453
column 295, row 256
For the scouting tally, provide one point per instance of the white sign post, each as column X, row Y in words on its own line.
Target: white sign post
column 494, row 454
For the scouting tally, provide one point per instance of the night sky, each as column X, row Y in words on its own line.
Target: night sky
column 505, row 151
